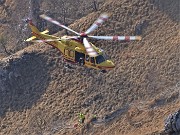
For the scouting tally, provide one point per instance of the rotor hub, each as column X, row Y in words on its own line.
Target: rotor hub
column 83, row 35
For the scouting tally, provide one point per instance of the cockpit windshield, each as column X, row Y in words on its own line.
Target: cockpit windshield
column 101, row 58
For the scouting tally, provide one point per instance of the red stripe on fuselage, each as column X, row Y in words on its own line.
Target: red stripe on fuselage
column 104, row 67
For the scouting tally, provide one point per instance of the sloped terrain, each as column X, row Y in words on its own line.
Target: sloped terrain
column 40, row 96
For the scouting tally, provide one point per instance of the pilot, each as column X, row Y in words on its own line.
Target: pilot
column 81, row 61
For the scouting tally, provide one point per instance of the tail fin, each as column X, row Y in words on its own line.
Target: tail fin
column 32, row 26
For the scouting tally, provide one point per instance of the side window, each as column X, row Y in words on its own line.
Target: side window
column 66, row 52
column 92, row 60
column 71, row 53
column 87, row 57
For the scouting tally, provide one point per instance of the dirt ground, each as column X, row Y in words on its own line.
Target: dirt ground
column 38, row 95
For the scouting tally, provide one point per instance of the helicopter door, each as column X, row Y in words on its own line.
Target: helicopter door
column 90, row 61
column 79, row 56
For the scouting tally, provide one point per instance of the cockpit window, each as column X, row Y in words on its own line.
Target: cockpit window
column 100, row 59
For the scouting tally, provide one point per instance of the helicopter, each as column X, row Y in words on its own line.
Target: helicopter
column 77, row 49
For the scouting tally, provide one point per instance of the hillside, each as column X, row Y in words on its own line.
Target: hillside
column 38, row 95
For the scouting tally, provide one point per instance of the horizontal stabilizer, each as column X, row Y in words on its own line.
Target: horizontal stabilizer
column 31, row 38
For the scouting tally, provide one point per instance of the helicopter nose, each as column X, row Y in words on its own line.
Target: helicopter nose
column 110, row 64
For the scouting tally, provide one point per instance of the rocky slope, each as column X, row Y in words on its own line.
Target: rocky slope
column 40, row 96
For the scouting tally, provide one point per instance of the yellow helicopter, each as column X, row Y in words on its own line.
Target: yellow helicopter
column 77, row 49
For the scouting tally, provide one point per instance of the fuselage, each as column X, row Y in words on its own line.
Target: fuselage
column 74, row 51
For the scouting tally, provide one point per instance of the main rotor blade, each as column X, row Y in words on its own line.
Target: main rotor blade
column 57, row 23
column 97, row 23
column 118, row 38
column 89, row 49
column 45, row 40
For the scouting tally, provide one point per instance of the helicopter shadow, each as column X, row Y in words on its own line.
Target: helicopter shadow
column 171, row 8
column 24, row 80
